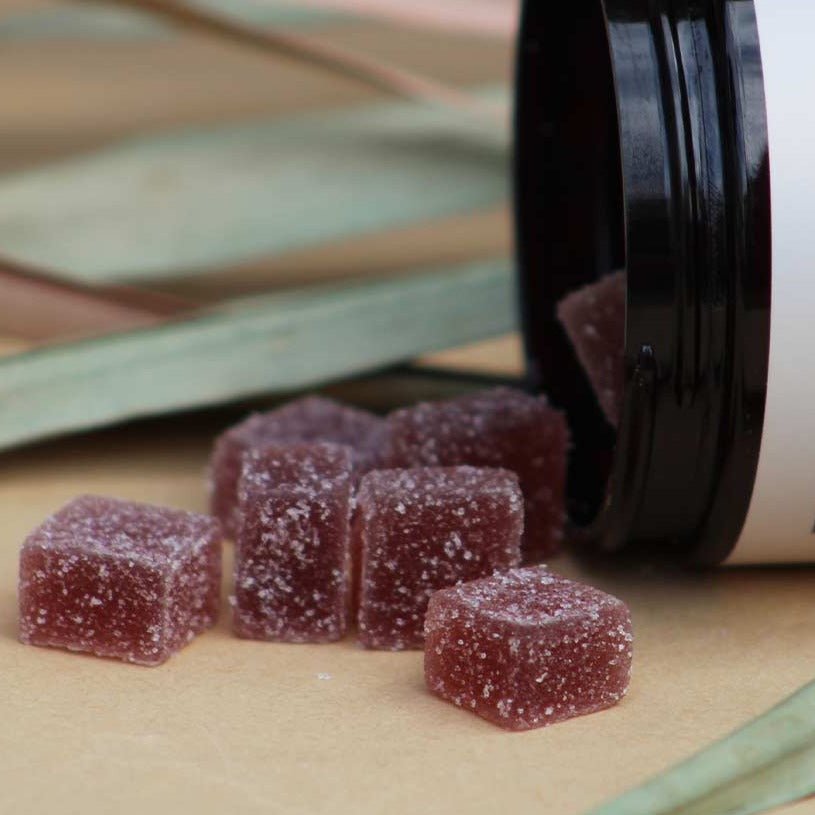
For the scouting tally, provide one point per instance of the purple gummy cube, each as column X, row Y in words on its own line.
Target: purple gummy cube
column 594, row 319
column 528, row 648
column 496, row 428
column 310, row 419
column 119, row 579
column 292, row 555
column 421, row 530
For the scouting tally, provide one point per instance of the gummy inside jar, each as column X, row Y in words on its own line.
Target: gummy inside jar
column 594, row 320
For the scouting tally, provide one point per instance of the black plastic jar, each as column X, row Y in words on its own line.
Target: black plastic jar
column 655, row 136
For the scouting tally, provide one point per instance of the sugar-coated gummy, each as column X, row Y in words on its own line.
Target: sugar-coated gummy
column 421, row 530
column 502, row 428
column 528, row 648
column 312, row 418
column 594, row 319
column 292, row 555
column 119, row 579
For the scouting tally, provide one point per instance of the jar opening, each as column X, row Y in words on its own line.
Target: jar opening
column 642, row 146
column 570, row 214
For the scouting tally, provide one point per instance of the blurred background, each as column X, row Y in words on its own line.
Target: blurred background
column 153, row 173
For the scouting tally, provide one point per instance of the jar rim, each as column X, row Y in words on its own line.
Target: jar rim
column 642, row 143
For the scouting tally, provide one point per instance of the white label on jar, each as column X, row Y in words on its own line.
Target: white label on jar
column 780, row 525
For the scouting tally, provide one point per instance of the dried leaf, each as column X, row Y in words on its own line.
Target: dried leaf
column 251, row 347
column 202, row 199
column 39, row 308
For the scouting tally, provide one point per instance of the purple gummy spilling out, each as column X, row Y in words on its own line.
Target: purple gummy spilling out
column 496, row 428
column 310, row 419
column 528, row 648
column 292, row 556
column 118, row 579
column 594, row 319
column 421, row 530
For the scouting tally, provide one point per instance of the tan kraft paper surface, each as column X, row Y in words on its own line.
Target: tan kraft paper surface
column 242, row 727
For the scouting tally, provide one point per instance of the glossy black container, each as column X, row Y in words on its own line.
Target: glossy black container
column 642, row 145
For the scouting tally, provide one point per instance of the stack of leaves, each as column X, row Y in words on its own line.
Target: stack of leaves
column 139, row 271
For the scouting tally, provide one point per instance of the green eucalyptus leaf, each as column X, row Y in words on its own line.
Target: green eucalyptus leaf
column 255, row 346
column 173, row 204
column 766, row 764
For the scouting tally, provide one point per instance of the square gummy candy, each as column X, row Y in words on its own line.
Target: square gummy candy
column 527, row 648
column 119, row 579
column 496, row 428
column 594, row 319
column 292, row 556
column 309, row 419
column 424, row 529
